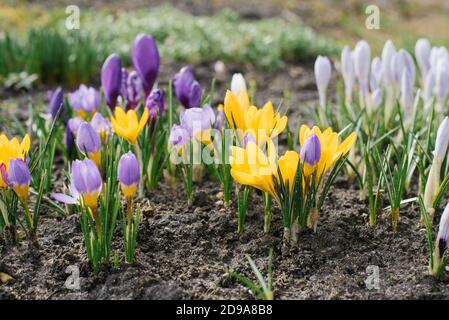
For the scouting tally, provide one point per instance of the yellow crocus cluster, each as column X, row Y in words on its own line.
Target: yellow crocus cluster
column 260, row 123
column 127, row 125
column 250, row 166
column 12, row 149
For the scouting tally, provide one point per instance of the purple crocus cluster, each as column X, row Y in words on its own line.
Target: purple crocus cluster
column 135, row 86
column 85, row 100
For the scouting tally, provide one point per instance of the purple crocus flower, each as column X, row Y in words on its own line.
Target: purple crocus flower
column 18, row 178
column 220, row 121
column 128, row 174
column 56, row 100
column 111, row 79
column 88, row 142
column 84, row 100
column 311, row 150
column 101, row 124
column 187, row 90
column 87, row 181
column 146, row 60
column 178, row 136
column 155, row 104
column 195, row 120
column 134, row 90
column 69, row 140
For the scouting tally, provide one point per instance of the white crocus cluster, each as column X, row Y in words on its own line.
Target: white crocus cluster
column 433, row 180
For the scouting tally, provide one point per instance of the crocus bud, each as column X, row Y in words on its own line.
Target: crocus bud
column 101, row 125
column 19, row 178
column 347, row 70
column 322, row 76
column 443, row 232
column 187, row 90
column 146, row 60
column 56, row 100
column 362, row 60
column 135, row 90
column 195, row 120
column 155, row 104
column 179, row 136
column 376, row 98
column 376, row 74
column 422, row 54
column 85, row 100
column 89, row 142
column 406, row 91
column 128, row 174
column 388, row 53
column 87, row 181
column 111, row 79
column 442, row 83
column 311, row 150
column 237, row 83
column 437, row 54
column 433, row 180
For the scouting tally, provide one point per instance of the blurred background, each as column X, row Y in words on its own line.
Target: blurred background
column 272, row 41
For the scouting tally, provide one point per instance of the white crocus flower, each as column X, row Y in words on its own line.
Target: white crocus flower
column 433, row 180
column 322, row 77
column 347, row 70
column 422, row 54
column 238, row 83
column 441, row 241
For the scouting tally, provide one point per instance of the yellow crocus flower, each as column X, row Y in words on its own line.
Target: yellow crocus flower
column 288, row 164
column 127, row 125
column 252, row 120
column 331, row 148
column 12, row 149
column 250, row 166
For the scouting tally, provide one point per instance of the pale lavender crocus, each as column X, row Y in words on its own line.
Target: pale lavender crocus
column 111, row 79
column 422, row 54
column 101, row 125
column 347, row 70
column 442, row 84
column 87, row 181
column 388, row 52
column 195, row 120
column 179, row 136
column 187, row 90
column 323, row 72
column 74, row 123
column 146, row 60
column 362, row 60
column 155, row 104
column 88, row 142
column 311, row 150
column 85, row 100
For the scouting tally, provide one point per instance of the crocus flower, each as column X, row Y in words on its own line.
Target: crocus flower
column 145, row 58
column 362, row 60
column 187, row 90
column 220, row 120
column 128, row 174
column 347, row 70
column 56, row 100
column 195, row 120
column 442, row 84
column 433, row 180
column 422, row 54
column 155, row 104
column 437, row 54
column 89, row 143
column 331, row 149
column 376, row 98
column 127, row 125
column 376, row 74
column 11, row 149
column 441, row 242
column 322, row 77
column 111, row 79
column 179, row 136
column 74, row 123
column 69, row 140
column 87, row 181
column 19, row 178
column 402, row 60
column 388, row 53
column 237, row 83
column 406, row 92
column 134, row 89
column 73, row 198
column 101, row 125
column 85, row 100
column 209, row 112
column 123, row 85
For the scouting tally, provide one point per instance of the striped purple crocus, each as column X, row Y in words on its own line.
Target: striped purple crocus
column 18, row 178
column 155, row 104
column 87, row 181
column 311, row 150
column 89, row 143
column 129, row 174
